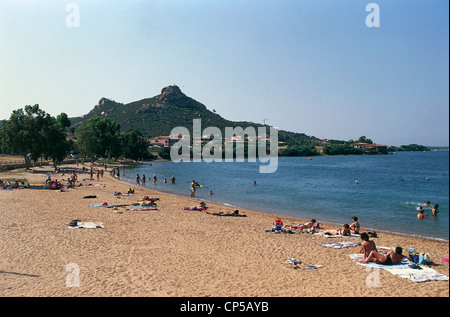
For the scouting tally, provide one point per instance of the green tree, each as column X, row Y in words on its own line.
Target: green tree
column 55, row 145
column 365, row 140
column 99, row 137
column 133, row 145
column 27, row 131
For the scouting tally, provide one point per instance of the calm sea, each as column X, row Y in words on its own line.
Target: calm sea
column 389, row 189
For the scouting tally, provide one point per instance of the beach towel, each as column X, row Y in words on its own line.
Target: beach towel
column 336, row 236
column 120, row 194
column 102, row 205
column 86, row 225
column 144, row 209
column 313, row 267
column 340, row 245
column 405, row 269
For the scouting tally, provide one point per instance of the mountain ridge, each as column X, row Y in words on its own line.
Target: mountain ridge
column 158, row 115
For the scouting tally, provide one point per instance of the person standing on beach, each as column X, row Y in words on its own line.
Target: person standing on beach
column 143, row 179
column 138, row 180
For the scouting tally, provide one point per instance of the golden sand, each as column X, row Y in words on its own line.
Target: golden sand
column 174, row 253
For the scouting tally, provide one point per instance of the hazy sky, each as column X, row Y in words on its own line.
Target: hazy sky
column 310, row 66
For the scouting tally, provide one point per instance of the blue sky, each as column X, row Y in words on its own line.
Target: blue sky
column 309, row 66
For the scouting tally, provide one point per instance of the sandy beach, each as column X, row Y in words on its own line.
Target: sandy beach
column 171, row 252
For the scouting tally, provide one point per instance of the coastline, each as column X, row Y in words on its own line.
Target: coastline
column 294, row 218
column 171, row 252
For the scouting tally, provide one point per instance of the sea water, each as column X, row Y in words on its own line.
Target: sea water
column 383, row 191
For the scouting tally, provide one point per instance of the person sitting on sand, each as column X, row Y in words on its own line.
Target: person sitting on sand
column 340, row 232
column 354, row 227
column 278, row 224
column 420, row 215
column 388, row 259
column 367, row 245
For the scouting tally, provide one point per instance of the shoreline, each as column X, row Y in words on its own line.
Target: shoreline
column 174, row 253
column 292, row 217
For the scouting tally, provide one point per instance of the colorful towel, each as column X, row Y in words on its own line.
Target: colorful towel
column 405, row 270
column 340, row 245
column 313, row 267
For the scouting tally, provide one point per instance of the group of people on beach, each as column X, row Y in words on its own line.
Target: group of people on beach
column 141, row 180
column 71, row 180
column 368, row 247
column 6, row 185
column 371, row 254
column 313, row 227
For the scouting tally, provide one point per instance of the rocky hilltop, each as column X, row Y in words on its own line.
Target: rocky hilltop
column 158, row 115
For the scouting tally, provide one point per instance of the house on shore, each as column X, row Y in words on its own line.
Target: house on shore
column 370, row 147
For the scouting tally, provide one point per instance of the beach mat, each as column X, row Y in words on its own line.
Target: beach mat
column 340, row 245
column 404, row 270
column 86, row 225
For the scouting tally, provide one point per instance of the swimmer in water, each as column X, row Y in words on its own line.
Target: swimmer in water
column 435, row 210
column 420, row 215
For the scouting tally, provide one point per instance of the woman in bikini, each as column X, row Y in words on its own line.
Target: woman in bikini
column 367, row 245
column 340, row 232
column 388, row 259
column 354, row 227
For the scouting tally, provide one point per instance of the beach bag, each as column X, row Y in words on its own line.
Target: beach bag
column 424, row 258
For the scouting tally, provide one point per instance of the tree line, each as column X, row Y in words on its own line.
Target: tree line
column 35, row 134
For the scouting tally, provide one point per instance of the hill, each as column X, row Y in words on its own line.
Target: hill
column 158, row 115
